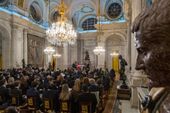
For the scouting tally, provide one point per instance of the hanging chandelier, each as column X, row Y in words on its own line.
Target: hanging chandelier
column 114, row 54
column 57, row 55
column 49, row 50
column 98, row 50
column 62, row 31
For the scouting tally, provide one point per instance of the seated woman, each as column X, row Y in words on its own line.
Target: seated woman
column 64, row 98
column 74, row 96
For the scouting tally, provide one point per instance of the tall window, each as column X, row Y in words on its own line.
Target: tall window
column 89, row 23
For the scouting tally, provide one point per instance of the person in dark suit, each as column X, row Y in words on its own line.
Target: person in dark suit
column 85, row 96
column 33, row 92
column 52, row 94
column 4, row 93
column 15, row 91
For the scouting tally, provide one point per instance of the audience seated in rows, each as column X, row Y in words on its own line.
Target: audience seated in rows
column 53, row 90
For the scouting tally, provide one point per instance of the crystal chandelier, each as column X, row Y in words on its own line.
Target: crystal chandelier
column 114, row 54
column 49, row 50
column 57, row 55
column 99, row 49
column 61, row 32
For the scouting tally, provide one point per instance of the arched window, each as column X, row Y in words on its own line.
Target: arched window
column 55, row 16
column 89, row 23
column 35, row 12
column 3, row 2
column 114, row 10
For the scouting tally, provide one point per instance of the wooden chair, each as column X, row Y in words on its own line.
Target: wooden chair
column 2, row 108
column 15, row 100
column 48, row 105
column 64, row 107
column 85, row 107
column 32, row 104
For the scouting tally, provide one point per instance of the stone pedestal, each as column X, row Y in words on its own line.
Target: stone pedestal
column 138, row 79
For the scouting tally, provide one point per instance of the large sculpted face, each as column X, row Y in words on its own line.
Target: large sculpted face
column 152, row 39
column 154, row 58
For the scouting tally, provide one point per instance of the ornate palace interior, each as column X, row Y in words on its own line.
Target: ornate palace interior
column 23, row 25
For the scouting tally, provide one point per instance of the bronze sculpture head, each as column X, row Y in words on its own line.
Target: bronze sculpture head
column 152, row 32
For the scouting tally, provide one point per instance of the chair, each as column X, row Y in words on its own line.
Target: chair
column 48, row 105
column 15, row 100
column 2, row 108
column 64, row 107
column 85, row 107
column 31, row 103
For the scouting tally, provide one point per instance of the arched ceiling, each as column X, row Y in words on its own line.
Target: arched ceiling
column 77, row 10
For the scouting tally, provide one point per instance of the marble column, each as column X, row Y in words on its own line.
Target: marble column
column 136, row 76
column 65, row 56
column 25, row 49
column 136, row 9
column 101, row 57
column 17, row 46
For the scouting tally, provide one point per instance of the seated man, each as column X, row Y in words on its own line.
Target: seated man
column 152, row 28
column 17, row 94
column 4, row 93
column 33, row 92
column 52, row 94
column 85, row 96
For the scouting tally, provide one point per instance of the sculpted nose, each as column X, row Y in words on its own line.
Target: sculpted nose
column 139, row 64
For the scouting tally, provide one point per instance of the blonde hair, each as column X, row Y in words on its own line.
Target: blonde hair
column 76, row 86
column 92, row 81
column 65, row 93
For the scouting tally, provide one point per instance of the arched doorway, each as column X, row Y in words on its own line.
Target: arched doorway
column 0, row 50
column 114, row 43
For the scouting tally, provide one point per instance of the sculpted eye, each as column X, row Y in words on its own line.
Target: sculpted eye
column 142, row 51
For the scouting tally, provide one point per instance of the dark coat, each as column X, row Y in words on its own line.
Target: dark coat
column 4, row 96
column 74, row 101
column 88, row 97
column 54, row 96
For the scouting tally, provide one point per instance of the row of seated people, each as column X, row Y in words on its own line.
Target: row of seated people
column 82, row 98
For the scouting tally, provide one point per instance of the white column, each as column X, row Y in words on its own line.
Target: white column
column 17, row 46
column 136, row 9
column 136, row 77
column 25, row 50
column 65, row 56
column 101, row 57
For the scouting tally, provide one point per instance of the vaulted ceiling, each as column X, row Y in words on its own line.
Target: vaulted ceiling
column 78, row 11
